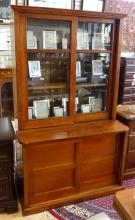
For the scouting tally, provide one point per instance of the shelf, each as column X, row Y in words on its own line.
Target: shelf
column 50, row 86
column 91, row 85
column 94, row 51
column 63, row 86
column 47, row 51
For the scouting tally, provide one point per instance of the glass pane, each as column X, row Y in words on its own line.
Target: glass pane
column 94, row 36
column 92, row 73
column 48, row 80
column 48, row 34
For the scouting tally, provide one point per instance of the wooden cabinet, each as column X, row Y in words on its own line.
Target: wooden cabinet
column 126, row 115
column 7, row 187
column 66, row 84
column 127, row 81
column 6, row 92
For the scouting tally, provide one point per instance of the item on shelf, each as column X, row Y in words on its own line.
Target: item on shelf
column 76, row 103
column 97, row 5
column 20, row 2
column 31, row 40
column 64, row 43
column 86, row 108
column 34, row 68
column 96, row 104
column 65, row 4
column 82, row 40
column 64, row 104
column 97, row 41
column 90, row 98
column 78, row 69
column 41, row 108
column 31, row 112
column 97, row 67
column 81, row 79
column 58, row 111
column 49, row 40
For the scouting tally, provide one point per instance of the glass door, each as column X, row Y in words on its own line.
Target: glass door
column 48, row 57
column 94, row 51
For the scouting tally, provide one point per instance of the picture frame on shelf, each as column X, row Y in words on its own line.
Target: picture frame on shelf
column 64, row 43
column 86, row 108
column 58, row 111
column 97, row 41
column 97, row 67
column 76, row 103
column 41, row 108
column 96, row 105
column 4, row 9
column 49, row 40
column 64, row 104
column 34, row 68
column 96, row 5
column 78, row 69
column 31, row 40
column 65, row 4
column 31, row 111
column 82, row 40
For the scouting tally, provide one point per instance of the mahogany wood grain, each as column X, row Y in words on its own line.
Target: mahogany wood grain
column 71, row 131
column 21, row 14
column 80, row 156
column 124, row 203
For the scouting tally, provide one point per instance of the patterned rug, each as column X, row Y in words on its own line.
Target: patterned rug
column 87, row 209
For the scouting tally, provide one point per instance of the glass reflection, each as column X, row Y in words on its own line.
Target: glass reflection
column 48, row 92
column 92, row 73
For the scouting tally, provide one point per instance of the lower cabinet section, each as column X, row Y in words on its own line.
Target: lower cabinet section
column 8, row 200
column 4, row 190
column 63, row 171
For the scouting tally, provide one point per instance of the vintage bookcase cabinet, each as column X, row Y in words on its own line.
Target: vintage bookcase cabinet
column 67, row 65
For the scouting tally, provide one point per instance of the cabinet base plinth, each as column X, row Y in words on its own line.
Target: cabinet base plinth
column 70, row 200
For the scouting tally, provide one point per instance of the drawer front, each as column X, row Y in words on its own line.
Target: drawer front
column 131, row 143
column 129, row 90
column 131, row 126
column 130, row 61
column 4, row 168
column 4, row 190
column 128, row 83
column 130, row 160
column 129, row 98
column 129, row 75
column 5, row 150
column 130, row 69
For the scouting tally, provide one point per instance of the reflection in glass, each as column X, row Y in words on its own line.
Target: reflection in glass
column 92, row 82
column 47, row 34
column 48, row 93
column 94, row 36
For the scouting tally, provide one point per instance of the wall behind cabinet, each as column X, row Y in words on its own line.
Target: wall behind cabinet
column 128, row 28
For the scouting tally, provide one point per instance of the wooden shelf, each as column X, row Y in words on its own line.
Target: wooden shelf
column 91, row 85
column 63, row 86
column 50, row 86
column 94, row 51
column 47, row 51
